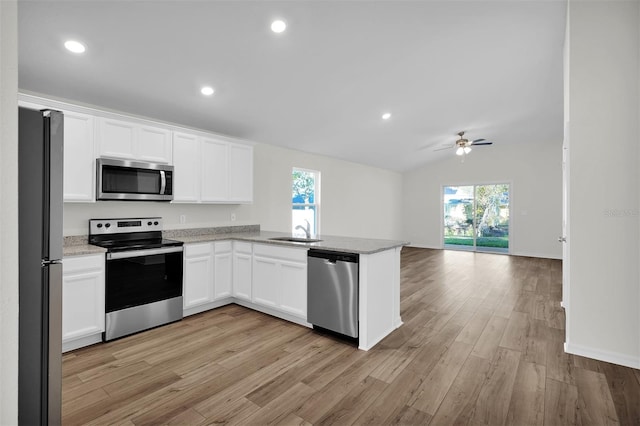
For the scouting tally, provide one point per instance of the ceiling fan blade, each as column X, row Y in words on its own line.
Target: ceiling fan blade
column 446, row 147
column 482, row 143
column 478, row 140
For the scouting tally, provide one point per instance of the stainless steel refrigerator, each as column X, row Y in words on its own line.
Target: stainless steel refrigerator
column 40, row 162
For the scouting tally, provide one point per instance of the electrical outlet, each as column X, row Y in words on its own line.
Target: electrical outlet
column 233, row 217
column 183, row 219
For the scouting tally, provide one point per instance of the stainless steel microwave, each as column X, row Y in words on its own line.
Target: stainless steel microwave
column 133, row 180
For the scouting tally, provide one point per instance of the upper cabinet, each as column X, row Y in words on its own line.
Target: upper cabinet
column 210, row 170
column 207, row 168
column 132, row 141
column 186, row 170
column 240, row 173
column 79, row 158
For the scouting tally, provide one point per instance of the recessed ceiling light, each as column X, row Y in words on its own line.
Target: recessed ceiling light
column 278, row 26
column 386, row 116
column 74, row 46
column 207, row 91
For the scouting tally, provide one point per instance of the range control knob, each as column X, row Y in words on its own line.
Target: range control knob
column 155, row 223
column 107, row 225
column 149, row 223
column 99, row 225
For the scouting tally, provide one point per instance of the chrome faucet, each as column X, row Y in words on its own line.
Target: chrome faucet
column 306, row 230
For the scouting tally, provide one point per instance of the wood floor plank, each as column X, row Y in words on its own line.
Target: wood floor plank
column 527, row 398
column 493, row 400
column 561, row 403
column 625, row 392
column 489, row 340
column 459, row 403
column 594, row 399
column 437, row 384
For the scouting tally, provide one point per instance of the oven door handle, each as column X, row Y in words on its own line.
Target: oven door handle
column 140, row 253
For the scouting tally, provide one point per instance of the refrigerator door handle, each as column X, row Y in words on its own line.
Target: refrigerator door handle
column 51, row 262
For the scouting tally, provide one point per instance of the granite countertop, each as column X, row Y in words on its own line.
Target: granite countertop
column 328, row 242
column 78, row 245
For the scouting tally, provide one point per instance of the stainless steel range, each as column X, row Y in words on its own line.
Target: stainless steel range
column 143, row 287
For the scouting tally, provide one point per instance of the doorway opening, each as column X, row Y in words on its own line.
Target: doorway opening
column 476, row 217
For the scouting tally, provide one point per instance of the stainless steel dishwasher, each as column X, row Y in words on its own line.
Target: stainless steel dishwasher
column 332, row 293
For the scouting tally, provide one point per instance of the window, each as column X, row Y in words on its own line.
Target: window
column 305, row 202
column 476, row 217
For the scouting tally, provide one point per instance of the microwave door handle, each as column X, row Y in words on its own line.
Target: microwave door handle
column 163, row 182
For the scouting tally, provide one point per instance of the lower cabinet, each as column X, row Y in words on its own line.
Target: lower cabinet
column 242, row 270
column 207, row 275
column 280, row 278
column 223, row 267
column 198, row 275
column 82, row 300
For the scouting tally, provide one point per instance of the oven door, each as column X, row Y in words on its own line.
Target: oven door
column 141, row 277
column 133, row 180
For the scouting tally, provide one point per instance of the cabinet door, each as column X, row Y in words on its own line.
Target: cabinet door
column 79, row 157
column 240, row 173
column 293, row 288
column 215, row 181
column 154, row 144
column 186, row 167
column 242, row 276
column 116, row 139
column 223, row 275
column 266, row 278
column 82, row 296
column 198, row 275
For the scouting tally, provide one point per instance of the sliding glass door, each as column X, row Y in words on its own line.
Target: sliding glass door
column 476, row 217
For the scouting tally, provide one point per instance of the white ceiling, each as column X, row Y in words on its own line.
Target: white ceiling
column 493, row 68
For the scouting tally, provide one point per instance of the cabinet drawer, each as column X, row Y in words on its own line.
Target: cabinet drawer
column 223, row 246
column 241, row 247
column 284, row 253
column 198, row 249
column 83, row 263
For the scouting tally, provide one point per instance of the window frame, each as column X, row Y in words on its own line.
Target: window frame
column 316, row 199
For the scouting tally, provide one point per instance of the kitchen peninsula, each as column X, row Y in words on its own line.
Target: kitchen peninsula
column 258, row 270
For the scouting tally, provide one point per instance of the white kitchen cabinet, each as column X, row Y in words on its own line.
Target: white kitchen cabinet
column 186, row 168
column 223, row 270
column 240, row 173
column 79, row 157
column 280, row 278
column 210, row 170
column 266, row 284
column 83, row 306
column 132, row 141
column 214, row 170
column 242, row 270
column 293, row 288
column 154, row 145
column 198, row 275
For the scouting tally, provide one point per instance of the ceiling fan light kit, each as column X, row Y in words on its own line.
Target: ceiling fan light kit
column 463, row 146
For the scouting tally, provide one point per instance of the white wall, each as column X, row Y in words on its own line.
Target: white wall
column 603, row 306
column 8, row 212
column 356, row 200
column 535, row 175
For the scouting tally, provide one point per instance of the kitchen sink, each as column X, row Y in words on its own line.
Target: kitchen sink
column 296, row 239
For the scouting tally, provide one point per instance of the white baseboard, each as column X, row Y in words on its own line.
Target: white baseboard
column 81, row 342
column 602, row 355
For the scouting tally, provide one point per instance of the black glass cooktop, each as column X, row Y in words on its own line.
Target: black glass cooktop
column 117, row 245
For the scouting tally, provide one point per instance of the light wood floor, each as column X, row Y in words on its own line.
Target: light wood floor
column 482, row 343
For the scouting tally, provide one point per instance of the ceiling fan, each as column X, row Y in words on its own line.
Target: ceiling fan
column 463, row 146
